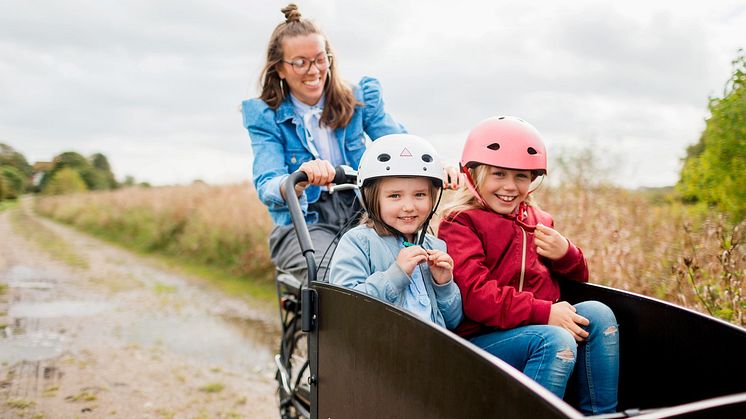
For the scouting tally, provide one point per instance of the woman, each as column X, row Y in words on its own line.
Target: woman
column 308, row 119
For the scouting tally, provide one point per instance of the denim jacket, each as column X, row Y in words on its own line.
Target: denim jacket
column 366, row 262
column 280, row 146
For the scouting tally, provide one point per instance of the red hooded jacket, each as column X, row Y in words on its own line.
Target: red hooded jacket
column 488, row 254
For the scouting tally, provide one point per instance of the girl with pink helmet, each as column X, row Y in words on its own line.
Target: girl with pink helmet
column 508, row 260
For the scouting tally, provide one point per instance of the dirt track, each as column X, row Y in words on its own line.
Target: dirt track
column 118, row 336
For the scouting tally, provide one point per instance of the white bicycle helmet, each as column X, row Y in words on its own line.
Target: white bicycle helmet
column 400, row 155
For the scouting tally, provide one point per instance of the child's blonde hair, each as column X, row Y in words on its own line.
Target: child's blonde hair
column 464, row 200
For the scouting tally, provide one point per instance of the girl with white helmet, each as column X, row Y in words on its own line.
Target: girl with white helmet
column 390, row 255
column 508, row 261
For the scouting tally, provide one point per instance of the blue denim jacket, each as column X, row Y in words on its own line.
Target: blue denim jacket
column 366, row 262
column 280, row 146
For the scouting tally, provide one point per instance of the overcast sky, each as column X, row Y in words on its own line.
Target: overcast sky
column 156, row 85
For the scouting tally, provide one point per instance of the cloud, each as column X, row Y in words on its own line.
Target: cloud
column 155, row 85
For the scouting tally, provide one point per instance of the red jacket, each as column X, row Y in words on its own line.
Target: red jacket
column 487, row 250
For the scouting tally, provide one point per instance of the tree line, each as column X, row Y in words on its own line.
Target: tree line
column 68, row 172
column 714, row 172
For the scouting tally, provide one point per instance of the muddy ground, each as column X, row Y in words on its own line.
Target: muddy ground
column 120, row 336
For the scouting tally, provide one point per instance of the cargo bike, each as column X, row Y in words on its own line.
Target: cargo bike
column 674, row 362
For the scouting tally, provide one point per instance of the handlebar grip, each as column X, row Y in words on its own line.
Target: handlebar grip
column 340, row 175
column 345, row 175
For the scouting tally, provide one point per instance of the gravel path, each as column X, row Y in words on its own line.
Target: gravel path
column 111, row 334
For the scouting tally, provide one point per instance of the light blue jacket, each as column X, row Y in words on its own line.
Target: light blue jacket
column 279, row 143
column 366, row 262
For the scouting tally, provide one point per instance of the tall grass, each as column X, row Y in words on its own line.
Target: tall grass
column 632, row 241
column 221, row 226
column 661, row 249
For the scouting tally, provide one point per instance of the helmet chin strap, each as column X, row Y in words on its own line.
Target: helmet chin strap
column 471, row 186
column 539, row 185
column 419, row 236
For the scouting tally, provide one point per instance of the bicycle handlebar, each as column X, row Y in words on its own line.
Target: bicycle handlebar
column 343, row 174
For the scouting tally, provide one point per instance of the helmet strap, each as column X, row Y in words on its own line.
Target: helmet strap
column 471, row 185
column 420, row 237
column 538, row 186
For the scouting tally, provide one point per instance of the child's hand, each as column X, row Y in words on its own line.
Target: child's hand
column 441, row 266
column 549, row 242
column 563, row 315
column 452, row 178
column 410, row 257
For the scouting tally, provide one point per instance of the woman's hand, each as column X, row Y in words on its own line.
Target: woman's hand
column 319, row 172
column 549, row 242
column 441, row 266
column 453, row 178
column 563, row 315
column 410, row 257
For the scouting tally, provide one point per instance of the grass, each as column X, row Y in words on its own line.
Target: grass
column 19, row 404
column 212, row 388
column 46, row 239
column 215, row 233
column 6, row 205
column 83, row 396
column 643, row 241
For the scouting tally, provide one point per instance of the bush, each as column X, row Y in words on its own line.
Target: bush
column 15, row 182
column 3, row 188
column 65, row 181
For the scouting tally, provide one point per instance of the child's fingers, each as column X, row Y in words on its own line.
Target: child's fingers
column 541, row 244
column 444, row 265
column 578, row 319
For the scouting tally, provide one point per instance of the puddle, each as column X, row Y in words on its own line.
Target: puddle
column 204, row 338
column 30, row 347
column 54, row 309
column 21, row 276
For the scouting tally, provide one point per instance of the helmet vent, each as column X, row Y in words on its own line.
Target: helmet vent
column 531, row 151
column 494, row 146
column 384, row 157
column 427, row 158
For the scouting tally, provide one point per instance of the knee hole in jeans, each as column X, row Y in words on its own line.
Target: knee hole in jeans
column 566, row 355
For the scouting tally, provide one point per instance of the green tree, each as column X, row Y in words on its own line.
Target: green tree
column 714, row 168
column 101, row 164
column 65, row 180
column 3, row 188
column 95, row 172
column 10, row 157
column 15, row 181
column 70, row 160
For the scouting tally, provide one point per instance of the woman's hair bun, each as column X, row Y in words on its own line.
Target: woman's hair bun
column 291, row 13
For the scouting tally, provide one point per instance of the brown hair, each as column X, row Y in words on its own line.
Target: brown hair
column 339, row 100
column 372, row 215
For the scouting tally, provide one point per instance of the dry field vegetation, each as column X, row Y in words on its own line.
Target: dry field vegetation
column 221, row 228
column 650, row 246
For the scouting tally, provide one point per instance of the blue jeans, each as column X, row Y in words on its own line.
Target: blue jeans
column 549, row 355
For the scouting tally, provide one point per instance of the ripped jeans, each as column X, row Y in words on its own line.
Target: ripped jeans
column 549, row 355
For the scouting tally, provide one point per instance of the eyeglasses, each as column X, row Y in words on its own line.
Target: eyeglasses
column 302, row 66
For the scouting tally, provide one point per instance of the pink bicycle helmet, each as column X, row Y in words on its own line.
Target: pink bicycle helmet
column 507, row 142
column 503, row 141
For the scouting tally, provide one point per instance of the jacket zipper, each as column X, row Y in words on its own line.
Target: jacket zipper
column 523, row 260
